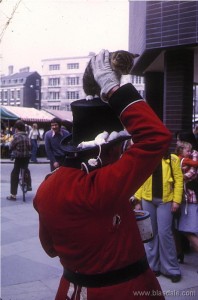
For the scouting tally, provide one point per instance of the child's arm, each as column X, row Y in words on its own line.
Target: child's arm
column 191, row 173
column 190, row 162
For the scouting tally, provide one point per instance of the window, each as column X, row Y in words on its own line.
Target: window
column 72, row 80
column 37, row 95
column 12, row 94
column 53, row 81
column 73, row 66
column 68, row 107
column 18, row 94
column 54, row 95
column 5, row 95
column 37, row 82
column 72, row 95
column 53, row 107
column 54, row 67
column 133, row 79
column 137, row 79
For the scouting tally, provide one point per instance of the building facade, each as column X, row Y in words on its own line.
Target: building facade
column 60, row 84
column 21, row 89
column 62, row 81
column 165, row 34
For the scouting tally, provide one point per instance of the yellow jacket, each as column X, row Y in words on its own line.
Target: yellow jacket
column 172, row 189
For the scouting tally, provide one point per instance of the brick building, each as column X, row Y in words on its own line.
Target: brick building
column 21, row 89
column 165, row 34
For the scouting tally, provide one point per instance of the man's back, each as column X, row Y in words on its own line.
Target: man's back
column 20, row 145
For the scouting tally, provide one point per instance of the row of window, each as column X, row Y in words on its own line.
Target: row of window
column 69, row 66
column 10, row 102
column 137, row 79
column 12, row 81
column 17, row 80
column 71, row 95
column 15, row 95
column 4, row 95
column 69, row 80
column 56, row 81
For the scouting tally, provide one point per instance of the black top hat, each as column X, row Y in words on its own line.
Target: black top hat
column 90, row 118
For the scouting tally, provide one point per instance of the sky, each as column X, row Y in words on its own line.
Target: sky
column 40, row 29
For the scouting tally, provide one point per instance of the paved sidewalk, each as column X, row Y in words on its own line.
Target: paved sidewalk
column 29, row 274
column 40, row 160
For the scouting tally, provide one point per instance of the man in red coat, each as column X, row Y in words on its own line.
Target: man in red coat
column 84, row 209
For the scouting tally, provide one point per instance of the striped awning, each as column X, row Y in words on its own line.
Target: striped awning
column 61, row 114
column 30, row 114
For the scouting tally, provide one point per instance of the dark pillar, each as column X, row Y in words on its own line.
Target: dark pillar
column 178, row 89
column 154, row 90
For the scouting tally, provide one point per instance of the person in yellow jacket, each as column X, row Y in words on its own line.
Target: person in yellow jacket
column 161, row 195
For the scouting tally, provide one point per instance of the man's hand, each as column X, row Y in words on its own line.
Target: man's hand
column 138, row 206
column 175, row 206
column 103, row 74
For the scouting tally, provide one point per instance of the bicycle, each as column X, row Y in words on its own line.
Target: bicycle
column 23, row 181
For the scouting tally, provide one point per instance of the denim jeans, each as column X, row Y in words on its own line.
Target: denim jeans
column 34, row 148
column 19, row 163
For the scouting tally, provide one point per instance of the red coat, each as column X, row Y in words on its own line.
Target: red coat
column 77, row 211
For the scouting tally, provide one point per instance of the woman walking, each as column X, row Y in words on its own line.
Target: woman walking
column 33, row 135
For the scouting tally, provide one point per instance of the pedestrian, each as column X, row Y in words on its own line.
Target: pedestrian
column 188, row 221
column 84, row 208
column 20, row 150
column 53, row 148
column 161, row 196
column 34, row 136
column 27, row 128
column 188, row 164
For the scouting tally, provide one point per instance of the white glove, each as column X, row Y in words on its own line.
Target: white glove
column 101, row 138
column 103, row 73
